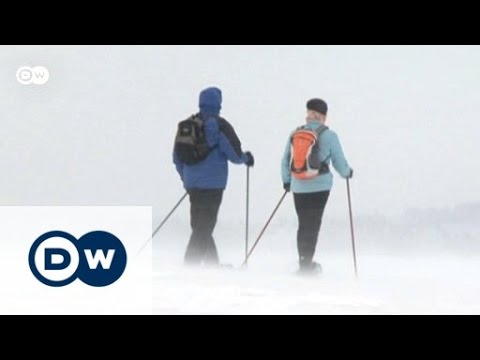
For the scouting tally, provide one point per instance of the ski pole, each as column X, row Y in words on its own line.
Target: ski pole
column 247, row 215
column 163, row 222
column 351, row 228
column 264, row 229
column 170, row 214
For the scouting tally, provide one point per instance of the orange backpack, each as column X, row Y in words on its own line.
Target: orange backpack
column 305, row 162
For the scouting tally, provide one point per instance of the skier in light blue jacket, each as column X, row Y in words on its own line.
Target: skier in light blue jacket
column 311, row 192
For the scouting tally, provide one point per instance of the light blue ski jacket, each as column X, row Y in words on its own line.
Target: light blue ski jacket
column 330, row 152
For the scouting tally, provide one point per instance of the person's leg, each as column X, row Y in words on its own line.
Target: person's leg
column 213, row 199
column 310, row 209
column 196, row 246
column 205, row 205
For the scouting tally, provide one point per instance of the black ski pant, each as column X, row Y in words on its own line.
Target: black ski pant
column 310, row 208
column 204, row 206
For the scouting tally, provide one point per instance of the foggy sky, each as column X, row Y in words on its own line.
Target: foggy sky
column 100, row 132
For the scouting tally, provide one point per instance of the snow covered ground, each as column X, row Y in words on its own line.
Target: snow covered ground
column 407, row 281
column 387, row 285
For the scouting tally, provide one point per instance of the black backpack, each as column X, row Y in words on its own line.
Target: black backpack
column 191, row 144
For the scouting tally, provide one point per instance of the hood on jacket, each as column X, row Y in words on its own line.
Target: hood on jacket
column 210, row 101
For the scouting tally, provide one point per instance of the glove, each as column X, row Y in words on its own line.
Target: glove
column 351, row 174
column 286, row 186
column 250, row 160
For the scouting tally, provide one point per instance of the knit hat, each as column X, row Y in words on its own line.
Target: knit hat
column 318, row 105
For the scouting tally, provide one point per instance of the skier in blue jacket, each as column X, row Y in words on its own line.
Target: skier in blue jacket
column 206, row 181
column 311, row 196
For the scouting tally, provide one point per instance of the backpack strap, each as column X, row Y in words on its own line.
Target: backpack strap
column 196, row 118
column 321, row 129
column 324, row 168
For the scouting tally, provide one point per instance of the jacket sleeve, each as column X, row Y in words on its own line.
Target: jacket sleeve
column 230, row 144
column 286, row 174
column 338, row 158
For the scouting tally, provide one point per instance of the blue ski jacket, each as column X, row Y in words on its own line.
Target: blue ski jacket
column 212, row 173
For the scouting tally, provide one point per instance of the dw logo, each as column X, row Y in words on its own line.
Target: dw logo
column 58, row 258
column 37, row 75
